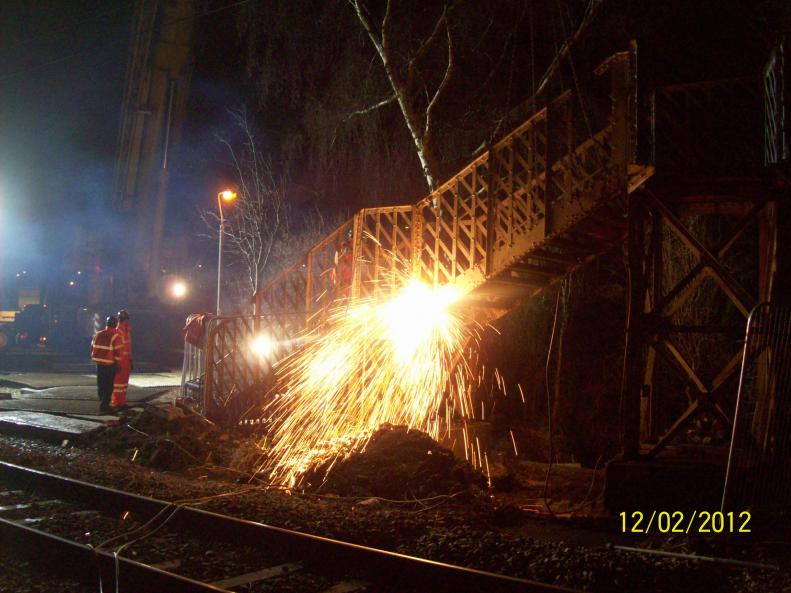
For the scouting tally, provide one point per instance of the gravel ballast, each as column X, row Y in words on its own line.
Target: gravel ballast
column 466, row 528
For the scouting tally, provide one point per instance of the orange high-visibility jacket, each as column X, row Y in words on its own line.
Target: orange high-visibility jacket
column 107, row 346
column 125, row 331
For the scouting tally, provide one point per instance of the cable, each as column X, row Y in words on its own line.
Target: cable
column 585, row 501
column 175, row 506
column 578, row 89
column 509, row 90
column 549, row 398
column 590, row 12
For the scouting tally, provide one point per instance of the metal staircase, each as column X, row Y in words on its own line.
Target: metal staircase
column 546, row 198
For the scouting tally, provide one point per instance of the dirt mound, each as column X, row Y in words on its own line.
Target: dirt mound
column 171, row 438
column 397, row 464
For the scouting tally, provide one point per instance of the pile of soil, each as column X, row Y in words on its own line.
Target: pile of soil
column 397, row 464
column 173, row 438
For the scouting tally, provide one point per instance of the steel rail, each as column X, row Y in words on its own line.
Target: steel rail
column 379, row 566
column 89, row 565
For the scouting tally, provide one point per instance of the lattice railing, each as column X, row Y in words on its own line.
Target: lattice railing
column 775, row 135
column 383, row 248
column 452, row 224
column 534, row 183
column 713, row 126
column 463, row 232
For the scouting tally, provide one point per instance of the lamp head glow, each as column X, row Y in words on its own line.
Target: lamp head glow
column 228, row 195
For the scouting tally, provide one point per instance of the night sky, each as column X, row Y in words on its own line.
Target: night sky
column 62, row 74
column 60, row 91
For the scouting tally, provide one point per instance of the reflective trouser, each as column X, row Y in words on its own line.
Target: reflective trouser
column 121, row 382
column 105, row 374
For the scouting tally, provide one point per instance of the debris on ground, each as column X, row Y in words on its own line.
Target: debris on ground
column 449, row 530
column 398, row 464
column 175, row 438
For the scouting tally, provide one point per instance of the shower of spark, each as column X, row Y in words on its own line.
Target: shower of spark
column 396, row 360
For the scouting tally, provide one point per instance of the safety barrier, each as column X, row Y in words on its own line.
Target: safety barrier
column 758, row 474
column 776, row 149
column 240, row 354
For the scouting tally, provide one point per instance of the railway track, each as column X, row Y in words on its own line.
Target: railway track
column 72, row 528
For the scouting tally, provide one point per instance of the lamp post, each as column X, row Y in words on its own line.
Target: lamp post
column 226, row 196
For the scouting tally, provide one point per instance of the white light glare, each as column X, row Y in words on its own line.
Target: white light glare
column 262, row 346
column 179, row 289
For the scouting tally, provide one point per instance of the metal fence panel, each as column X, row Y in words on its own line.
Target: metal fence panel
column 775, row 132
column 759, row 473
column 241, row 353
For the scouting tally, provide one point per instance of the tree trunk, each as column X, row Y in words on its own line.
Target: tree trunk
column 425, row 151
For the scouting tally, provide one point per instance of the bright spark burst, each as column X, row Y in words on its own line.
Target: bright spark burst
column 397, row 360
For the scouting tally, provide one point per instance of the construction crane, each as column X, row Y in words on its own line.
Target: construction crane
column 157, row 82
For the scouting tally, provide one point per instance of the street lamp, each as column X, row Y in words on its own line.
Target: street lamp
column 226, row 196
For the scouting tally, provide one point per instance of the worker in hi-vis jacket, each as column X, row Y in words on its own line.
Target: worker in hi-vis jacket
column 106, row 348
column 121, row 381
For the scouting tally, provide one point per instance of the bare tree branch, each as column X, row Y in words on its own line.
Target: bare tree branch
column 427, row 134
column 365, row 21
column 370, row 108
column 257, row 233
column 425, row 46
column 387, row 56
column 417, row 118
column 365, row 111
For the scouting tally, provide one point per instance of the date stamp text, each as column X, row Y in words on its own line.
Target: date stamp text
column 685, row 522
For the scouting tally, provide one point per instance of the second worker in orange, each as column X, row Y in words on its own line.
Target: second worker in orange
column 121, row 381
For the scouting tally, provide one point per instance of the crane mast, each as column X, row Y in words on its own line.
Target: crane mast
column 157, row 83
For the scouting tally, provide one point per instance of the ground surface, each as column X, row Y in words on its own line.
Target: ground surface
column 478, row 528
column 403, row 493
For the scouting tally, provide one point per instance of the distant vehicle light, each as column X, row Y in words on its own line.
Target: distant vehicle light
column 42, row 339
column 179, row 289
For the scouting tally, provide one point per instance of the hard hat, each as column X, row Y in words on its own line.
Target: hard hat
column 112, row 321
column 123, row 315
